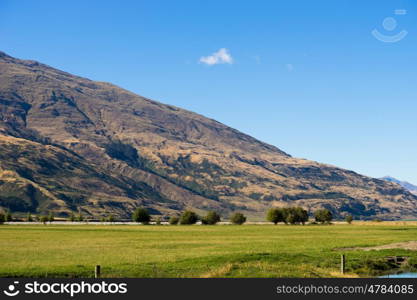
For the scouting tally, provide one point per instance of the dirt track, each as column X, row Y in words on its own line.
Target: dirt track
column 411, row 245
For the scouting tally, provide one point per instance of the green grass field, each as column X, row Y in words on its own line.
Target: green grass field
column 196, row 251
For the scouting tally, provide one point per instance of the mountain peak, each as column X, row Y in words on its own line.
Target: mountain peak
column 2, row 54
column 411, row 187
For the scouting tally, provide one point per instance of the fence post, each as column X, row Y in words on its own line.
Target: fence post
column 97, row 272
column 342, row 263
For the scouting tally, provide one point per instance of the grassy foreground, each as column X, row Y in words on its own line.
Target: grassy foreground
column 196, row 251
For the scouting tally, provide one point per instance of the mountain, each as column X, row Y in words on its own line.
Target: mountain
column 412, row 188
column 68, row 143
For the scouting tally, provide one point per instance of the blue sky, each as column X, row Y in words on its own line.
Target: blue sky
column 306, row 76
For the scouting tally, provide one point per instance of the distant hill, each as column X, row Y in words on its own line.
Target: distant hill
column 68, row 143
column 412, row 188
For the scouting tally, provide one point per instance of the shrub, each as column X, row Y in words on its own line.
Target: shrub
column 275, row 215
column 174, row 220
column 188, row 218
column 2, row 218
column 51, row 217
column 349, row 219
column 8, row 216
column 141, row 215
column 211, row 219
column 323, row 216
column 238, row 219
column 29, row 217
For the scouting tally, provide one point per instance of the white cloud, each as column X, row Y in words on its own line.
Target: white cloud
column 220, row 57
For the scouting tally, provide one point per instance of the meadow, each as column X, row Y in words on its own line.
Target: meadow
column 200, row 251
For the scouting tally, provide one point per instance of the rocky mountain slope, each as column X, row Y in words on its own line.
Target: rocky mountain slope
column 95, row 147
column 408, row 186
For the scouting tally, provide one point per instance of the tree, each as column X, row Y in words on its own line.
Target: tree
column 301, row 215
column 111, row 218
column 349, row 219
column 174, row 220
column 158, row 221
column 291, row 218
column 275, row 215
column 2, row 218
column 51, row 217
column 211, row 219
column 292, row 215
column 188, row 218
column 80, row 217
column 44, row 219
column 29, row 217
column 8, row 216
column 72, row 217
column 238, row 218
column 323, row 216
column 141, row 215
column 286, row 211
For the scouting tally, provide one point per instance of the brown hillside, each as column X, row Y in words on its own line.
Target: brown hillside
column 165, row 157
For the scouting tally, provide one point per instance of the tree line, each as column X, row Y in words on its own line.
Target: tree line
column 188, row 217
column 297, row 215
column 286, row 215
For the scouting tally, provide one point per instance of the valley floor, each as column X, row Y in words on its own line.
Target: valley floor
column 201, row 251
